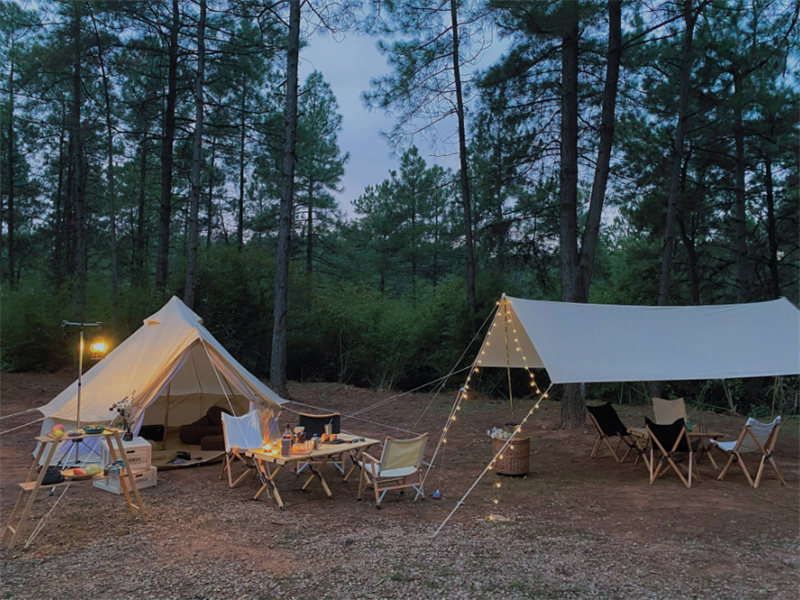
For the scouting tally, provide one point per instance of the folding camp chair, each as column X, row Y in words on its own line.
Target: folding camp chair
column 240, row 434
column 755, row 437
column 397, row 469
column 315, row 425
column 608, row 425
column 670, row 440
column 666, row 412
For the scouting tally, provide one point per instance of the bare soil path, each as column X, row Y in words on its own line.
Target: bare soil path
column 574, row 528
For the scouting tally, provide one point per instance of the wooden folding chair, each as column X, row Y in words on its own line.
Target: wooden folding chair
column 397, row 469
column 670, row 440
column 666, row 412
column 608, row 425
column 754, row 437
column 240, row 434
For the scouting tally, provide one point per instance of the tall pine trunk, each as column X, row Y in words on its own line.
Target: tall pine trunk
column 668, row 247
column 740, row 211
column 10, row 164
column 572, row 409
column 591, row 232
column 165, row 207
column 278, row 358
column 140, row 245
column 464, row 171
column 772, row 236
column 310, row 229
column 240, row 216
column 197, row 158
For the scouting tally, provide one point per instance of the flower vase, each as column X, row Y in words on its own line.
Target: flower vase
column 127, row 436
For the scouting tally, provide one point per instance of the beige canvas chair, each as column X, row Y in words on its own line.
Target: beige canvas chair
column 240, row 434
column 398, row 468
column 755, row 437
column 666, row 412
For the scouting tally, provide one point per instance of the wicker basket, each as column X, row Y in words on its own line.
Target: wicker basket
column 516, row 457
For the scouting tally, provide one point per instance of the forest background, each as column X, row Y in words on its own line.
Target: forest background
column 617, row 152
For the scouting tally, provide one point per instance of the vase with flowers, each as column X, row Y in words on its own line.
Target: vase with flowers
column 124, row 409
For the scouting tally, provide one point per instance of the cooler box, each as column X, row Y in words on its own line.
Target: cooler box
column 138, row 452
column 144, row 479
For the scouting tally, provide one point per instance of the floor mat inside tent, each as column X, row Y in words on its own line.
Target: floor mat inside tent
column 170, row 454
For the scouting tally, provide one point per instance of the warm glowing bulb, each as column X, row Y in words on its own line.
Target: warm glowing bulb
column 511, row 446
column 498, row 484
column 98, row 347
column 491, row 517
column 500, row 457
column 444, row 440
column 490, row 467
column 519, row 429
column 453, row 418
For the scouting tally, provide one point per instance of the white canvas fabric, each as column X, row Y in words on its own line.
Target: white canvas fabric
column 761, row 430
column 242, row 432
column 580, row 343
column 170, row 366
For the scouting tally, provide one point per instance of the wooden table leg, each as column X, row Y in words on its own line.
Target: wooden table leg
column 316, row 472
column 268, row 479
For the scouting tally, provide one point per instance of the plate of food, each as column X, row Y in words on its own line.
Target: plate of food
column 79, row 474
column 76, row 474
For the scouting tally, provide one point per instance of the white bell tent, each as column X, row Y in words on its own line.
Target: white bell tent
column 171, row 368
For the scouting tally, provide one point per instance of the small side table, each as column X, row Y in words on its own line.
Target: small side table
column 33, row 482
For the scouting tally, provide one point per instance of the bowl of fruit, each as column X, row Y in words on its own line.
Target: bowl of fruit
column 94, row 429
column 81, row 473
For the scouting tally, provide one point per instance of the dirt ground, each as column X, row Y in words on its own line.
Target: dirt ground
column 573, row 528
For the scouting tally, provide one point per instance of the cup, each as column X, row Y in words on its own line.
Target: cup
column 328, row 429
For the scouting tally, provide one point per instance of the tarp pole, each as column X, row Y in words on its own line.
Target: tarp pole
column 508, row 358
column 166, row 418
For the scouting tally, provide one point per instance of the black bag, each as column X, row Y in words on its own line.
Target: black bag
column 52, row 475
column 152, row 432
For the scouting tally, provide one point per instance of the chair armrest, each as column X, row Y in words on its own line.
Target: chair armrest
column 370, row 463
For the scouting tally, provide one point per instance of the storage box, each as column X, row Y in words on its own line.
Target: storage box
column 138, row 452
column 144, row 479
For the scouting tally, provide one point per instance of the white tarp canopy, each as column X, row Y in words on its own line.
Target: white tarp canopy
column 583, row 343
column 172, row 368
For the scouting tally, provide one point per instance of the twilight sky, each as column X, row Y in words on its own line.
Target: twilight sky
column 348, row 66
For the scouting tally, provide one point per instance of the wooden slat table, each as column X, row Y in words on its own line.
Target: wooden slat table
column 33, row 482
column 269, row 464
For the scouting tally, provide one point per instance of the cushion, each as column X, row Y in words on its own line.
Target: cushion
column 209, row 424
column 214, row 415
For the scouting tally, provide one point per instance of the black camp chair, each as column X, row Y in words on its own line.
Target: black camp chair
column 672, row 442
column 315, row 425
column 608, row 425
